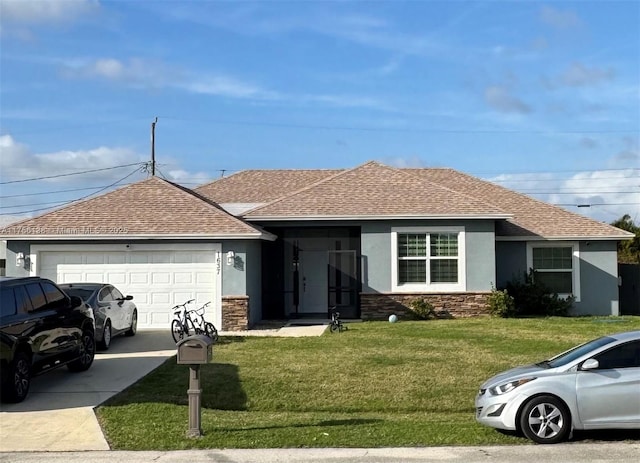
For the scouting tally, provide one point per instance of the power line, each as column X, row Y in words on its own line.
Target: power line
column 75, row 200
column 71, row 173
column 33, row 204
column 391, row 129
column 51, row 192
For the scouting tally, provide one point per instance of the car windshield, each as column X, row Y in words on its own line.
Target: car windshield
column 577, row 352
column 82, row 293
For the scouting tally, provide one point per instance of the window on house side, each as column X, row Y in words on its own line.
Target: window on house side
column 554, row 268
column 427, row 258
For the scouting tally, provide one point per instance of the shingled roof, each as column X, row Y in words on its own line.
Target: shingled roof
column 531, row 217
column 261, row 186
column 374, row 190
column 428, row 192
column 150, row 208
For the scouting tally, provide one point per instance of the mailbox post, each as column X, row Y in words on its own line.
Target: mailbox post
column 194, row 351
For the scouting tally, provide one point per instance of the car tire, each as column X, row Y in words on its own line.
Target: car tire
column 545, row 419
column 87, row 352
column 106, row 336
column 18, row 379
column 133, row 329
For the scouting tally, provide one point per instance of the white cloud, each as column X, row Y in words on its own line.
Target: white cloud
column 46, row 11
column 603, row 195
column 190, row 179
column 134, row 71
column 500, row 98
column 18, row 163
column 578, row 75
column 139, row 73
column 227, row 87
column 560, row 19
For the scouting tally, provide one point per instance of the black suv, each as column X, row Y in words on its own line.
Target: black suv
column 41, row 328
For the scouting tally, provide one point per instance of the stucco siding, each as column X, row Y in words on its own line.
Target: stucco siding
column 480, row 255
column 375, row 245
column 377, row 261
column 598, row 279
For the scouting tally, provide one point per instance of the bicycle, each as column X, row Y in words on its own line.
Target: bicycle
column 336, row 323
column 189, row 322
column 203, row 326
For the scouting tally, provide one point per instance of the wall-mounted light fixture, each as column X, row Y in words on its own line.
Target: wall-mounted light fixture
column 231, row 257
column 19, row 259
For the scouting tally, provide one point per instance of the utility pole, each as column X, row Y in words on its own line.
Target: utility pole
column 153, row 147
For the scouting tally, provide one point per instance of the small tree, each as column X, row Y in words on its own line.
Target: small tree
column 628, row 250
column 501, row 304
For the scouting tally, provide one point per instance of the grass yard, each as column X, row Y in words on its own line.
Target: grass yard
column 375, row 385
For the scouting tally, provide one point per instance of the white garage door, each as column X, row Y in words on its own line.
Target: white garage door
column 157, row 276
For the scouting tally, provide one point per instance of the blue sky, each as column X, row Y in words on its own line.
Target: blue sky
column 542, row 97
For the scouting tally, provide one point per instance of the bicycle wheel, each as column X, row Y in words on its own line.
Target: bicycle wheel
column 177, row 331
column 334, row 327
column 211, row 331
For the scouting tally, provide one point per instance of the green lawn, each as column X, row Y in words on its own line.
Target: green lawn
column 377, row 384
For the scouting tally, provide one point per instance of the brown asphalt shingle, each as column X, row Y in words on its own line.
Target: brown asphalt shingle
column 531, row 217
column 375, row 190
column 150, row 207
column 260, row 186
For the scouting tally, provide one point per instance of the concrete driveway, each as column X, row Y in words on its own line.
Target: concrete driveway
column 58, row 413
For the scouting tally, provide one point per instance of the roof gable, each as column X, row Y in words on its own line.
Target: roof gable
column 375, row 190
column 152, row 207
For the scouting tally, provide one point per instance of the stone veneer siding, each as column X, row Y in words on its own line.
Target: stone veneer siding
column 235, row 313
column 379, row 306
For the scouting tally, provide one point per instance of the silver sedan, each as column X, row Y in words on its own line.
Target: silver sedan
column 595, row 385
column 114, row 313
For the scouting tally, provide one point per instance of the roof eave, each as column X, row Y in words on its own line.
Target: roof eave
column 565, row 238
column 143, row 236
column 377, row 217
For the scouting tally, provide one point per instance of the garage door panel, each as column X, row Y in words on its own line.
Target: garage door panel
column 157, row 280
column 161, row 278
column 138, row 278
column 183, row 278
column 205, row 278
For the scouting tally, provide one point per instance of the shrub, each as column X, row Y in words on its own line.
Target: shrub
column 422, row 309
column 532, row 298
column 501, row 304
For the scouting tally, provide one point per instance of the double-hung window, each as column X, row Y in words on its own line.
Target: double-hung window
column 556, row 266
column 428, row 259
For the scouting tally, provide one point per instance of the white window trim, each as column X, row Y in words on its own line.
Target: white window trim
column 460, row 286
column 575, row 262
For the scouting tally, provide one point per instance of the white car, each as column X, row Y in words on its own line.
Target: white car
column 114, row 313
column 595, row 385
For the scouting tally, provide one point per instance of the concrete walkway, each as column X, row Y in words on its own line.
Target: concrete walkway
column 58, row 414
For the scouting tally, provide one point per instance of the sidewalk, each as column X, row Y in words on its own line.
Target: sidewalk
column 566, row 453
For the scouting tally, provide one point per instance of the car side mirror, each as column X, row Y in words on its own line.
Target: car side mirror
column 590, row 364
column 128, row 298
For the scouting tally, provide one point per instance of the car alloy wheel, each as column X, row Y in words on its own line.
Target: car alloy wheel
column 87, row 351
column 106, row 336
column 545, row 420
column 19, row 380
column 134, row 324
